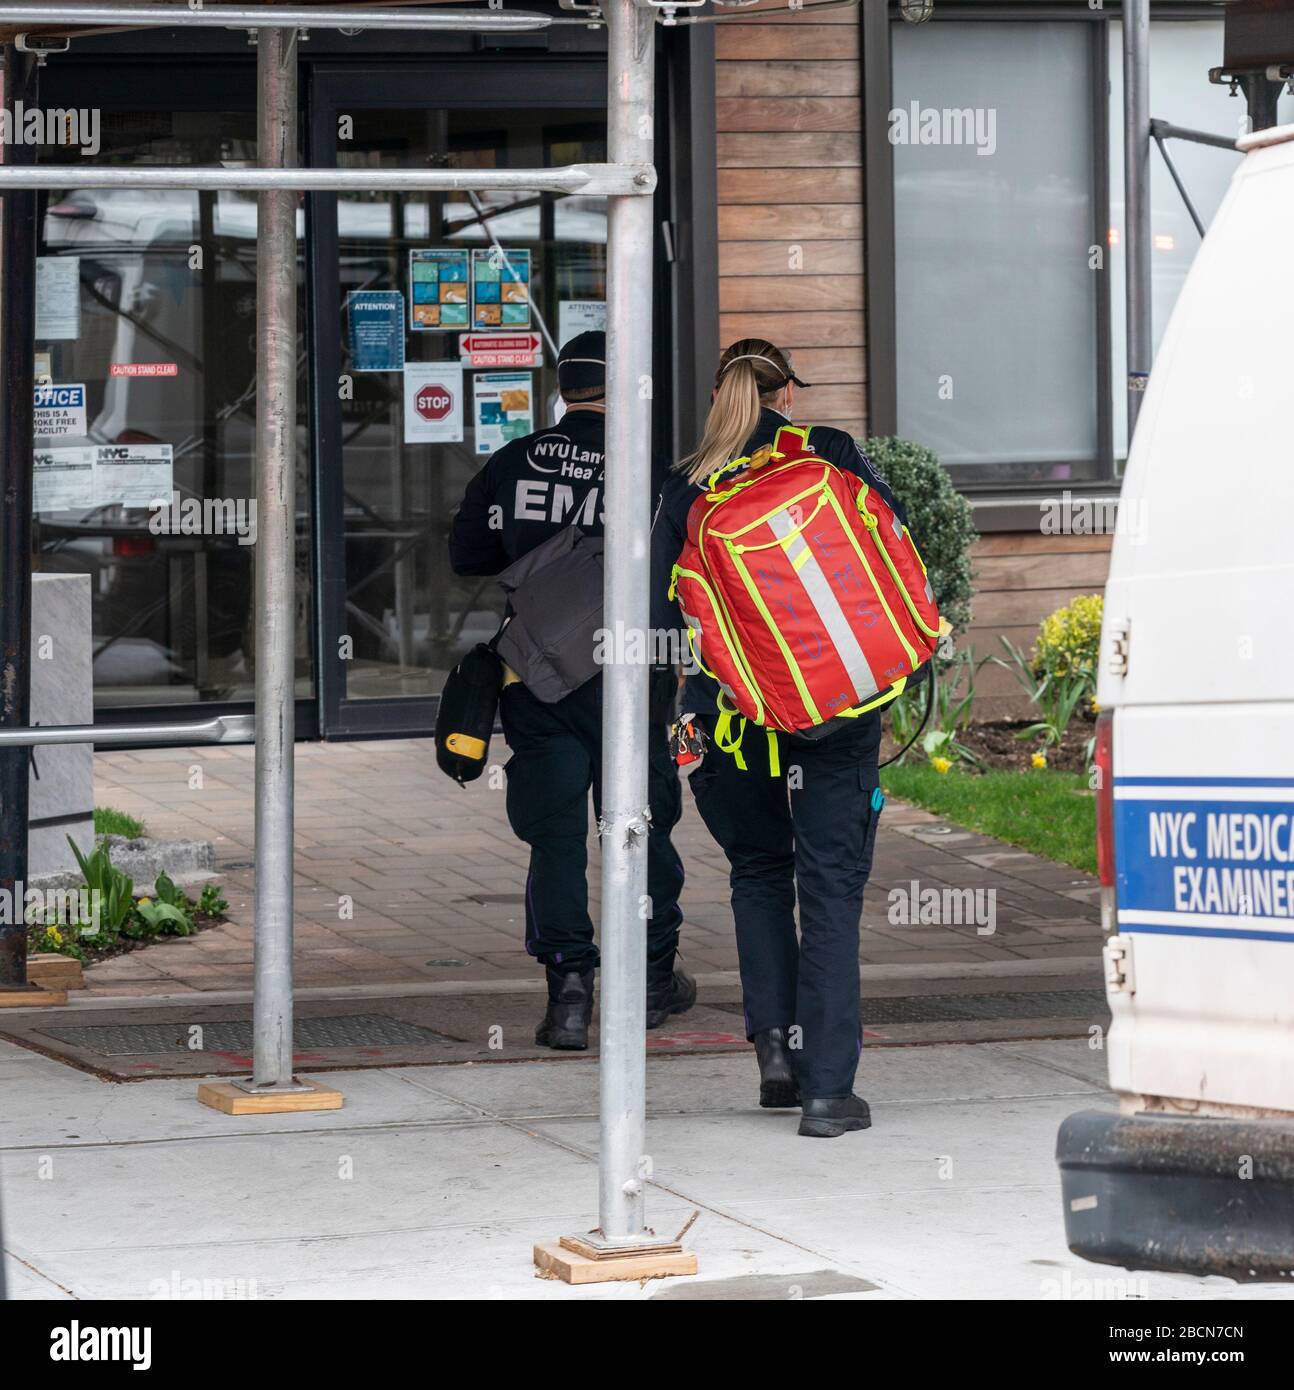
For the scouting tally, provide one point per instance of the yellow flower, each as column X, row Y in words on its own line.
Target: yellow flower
column 1096, row 709
column 940, row 764
column 142, row 902
column 1039, row 760
column 55, row 936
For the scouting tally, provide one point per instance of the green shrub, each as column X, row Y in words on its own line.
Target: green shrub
column 109, row 821
column 1069, row 640
column 940, row 516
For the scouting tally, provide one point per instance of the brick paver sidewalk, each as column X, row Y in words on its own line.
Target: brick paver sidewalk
column 435, row 877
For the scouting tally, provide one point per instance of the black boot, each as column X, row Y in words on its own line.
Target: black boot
column 829, row 1119
column 670, row 989
column 778, row 1089
column 570, row 1007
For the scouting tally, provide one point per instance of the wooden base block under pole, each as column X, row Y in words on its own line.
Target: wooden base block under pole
column 30, row 997
column 232, row 1099
column 575, row 1261
column 52, row 971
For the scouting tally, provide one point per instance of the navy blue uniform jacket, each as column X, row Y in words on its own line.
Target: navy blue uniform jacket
column 528, row 491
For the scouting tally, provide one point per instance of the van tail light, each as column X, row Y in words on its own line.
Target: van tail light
column 1103, row 761
column 133, row 547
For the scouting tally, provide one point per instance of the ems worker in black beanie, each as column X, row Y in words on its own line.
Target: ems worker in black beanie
column 528, row 491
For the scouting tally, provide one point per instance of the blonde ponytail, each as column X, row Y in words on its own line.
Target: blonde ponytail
column 750, row 372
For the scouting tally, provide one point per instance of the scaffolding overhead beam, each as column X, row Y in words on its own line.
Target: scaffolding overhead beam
column 594, row 180
column 277, row 17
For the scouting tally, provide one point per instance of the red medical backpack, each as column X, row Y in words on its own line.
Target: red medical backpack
column 803, row 593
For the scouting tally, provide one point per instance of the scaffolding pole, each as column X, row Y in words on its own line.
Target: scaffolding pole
column 17, row 331
column 1136, row 201
column 276, row 467
column 623, row 1068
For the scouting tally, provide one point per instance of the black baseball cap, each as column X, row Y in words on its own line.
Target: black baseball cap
column 582, row 362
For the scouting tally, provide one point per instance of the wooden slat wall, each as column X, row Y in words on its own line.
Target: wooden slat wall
column 789, row 122
column 1019, row 579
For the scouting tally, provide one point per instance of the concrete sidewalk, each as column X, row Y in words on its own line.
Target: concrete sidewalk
column 434, row 878
column 435, row 1182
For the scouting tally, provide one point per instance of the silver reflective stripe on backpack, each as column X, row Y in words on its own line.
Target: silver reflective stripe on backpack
column 825, row 603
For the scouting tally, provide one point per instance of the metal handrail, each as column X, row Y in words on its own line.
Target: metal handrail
column 279, row 17
column 604, row 180
column 224, row 728
column 1166, row 130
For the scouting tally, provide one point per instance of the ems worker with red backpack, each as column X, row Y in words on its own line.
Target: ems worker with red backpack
column 808, row 608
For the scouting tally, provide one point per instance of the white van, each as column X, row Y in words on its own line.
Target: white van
column 1196, row 801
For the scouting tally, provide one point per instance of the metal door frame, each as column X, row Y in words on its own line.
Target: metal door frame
column 333, row 87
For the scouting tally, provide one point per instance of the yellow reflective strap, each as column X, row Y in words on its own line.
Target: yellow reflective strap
column 752, row 463
column 873, row 526
column 696, row 656
column 774, row 761
column 871, row 575
column 799, row 430
column 727, row 468
column 782, row 506
column 723, row 735
column 728, row 634
column 884, row 698
column 791, row 535
column 915, row 551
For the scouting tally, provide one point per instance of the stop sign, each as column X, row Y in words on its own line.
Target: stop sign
column 434, row 402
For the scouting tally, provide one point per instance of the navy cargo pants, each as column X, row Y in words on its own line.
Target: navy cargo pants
column 556, row 761
column 811, row 829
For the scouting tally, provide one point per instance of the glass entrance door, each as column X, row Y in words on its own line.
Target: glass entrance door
column 406, row 286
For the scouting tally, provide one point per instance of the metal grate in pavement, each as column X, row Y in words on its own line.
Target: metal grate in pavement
column 350, row 1030
column 966, row 1008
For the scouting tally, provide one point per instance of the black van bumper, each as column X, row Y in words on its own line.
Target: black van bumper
column 1194, row 1196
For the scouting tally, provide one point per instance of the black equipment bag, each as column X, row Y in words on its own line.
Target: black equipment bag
column 554, row 593
column 465, row 720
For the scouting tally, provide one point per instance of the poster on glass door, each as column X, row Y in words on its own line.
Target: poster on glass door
column 503, row 407
column 102, row 475
column 439, row 290
column 500, row 288
column 576, row 316
column 375, row 330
